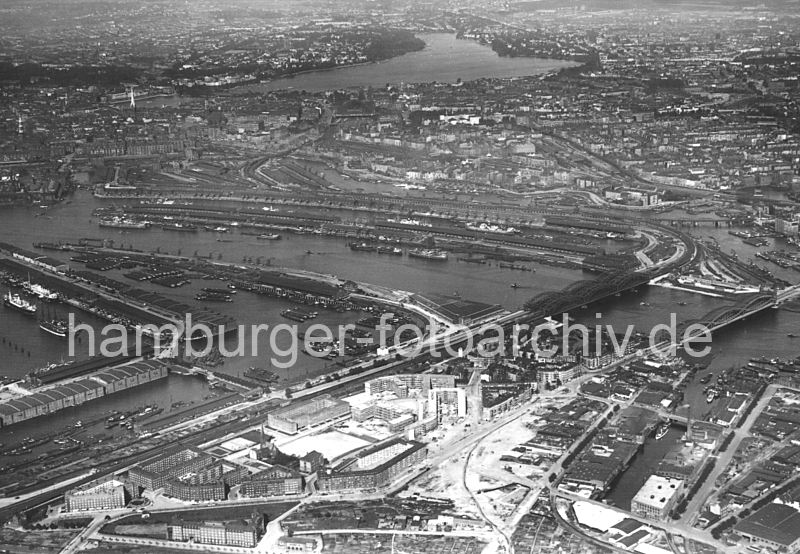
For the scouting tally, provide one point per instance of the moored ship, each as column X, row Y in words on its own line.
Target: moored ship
column 123, row 223
column 428, row 254
column 362, row 247
column 39, row 291
column 55, row 326
column 489, row 228
column 213, row 297
column 180, row 227
column 662, row 431
column 16, row 302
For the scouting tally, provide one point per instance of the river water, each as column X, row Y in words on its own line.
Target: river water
column 26, row 347
column 445, row 59
column 648, row 307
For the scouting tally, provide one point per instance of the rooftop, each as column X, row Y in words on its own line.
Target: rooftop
column 774, row 522
column 657, row 491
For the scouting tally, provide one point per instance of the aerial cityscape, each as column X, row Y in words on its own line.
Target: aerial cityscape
column 436, row 276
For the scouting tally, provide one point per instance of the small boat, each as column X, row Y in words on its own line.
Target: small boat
column 514, row 285
column 269, row 236
column 711, row 396
column 662, row 431
column 791, row 335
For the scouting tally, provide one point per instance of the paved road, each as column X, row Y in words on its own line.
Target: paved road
column 696, row 503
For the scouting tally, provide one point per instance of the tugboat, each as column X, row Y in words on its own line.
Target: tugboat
column 662, row 431
column 16, row 302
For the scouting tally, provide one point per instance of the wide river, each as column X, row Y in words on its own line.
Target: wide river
column 445, row 59
column 23, row 346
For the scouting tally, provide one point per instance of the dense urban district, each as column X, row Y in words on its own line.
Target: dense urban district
column 446, row 171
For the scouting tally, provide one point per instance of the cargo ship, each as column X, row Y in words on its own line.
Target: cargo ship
column 123, row 223
column 39, row 291
column 428, row 254
column 16, row 302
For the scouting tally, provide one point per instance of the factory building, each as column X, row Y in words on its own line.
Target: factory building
column 304, row 414
column 656, row 497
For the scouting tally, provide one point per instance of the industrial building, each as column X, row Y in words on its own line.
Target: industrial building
column 656, row 497
column 456, row 310
column 300, row 415
column 373, row 468
column 100, row 384
column 776, row 526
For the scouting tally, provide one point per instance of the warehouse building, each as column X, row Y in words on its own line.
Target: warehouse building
column 776, row 526
column 100, row 384
column 301, row 415
column 656, row 497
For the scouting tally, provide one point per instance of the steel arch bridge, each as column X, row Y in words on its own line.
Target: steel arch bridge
column 726, row 315
column 584, row 292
